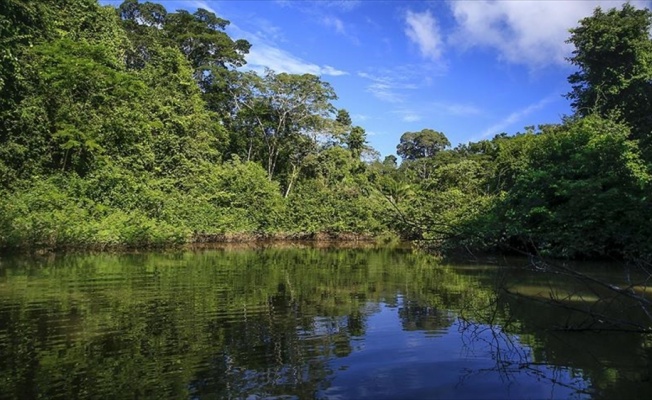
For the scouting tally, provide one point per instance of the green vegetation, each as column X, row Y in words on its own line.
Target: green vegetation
column 134, row 127
column 131, row 126
column 577, row 189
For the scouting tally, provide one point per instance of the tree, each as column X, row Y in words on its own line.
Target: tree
column 355, row 141
column 21, row 23
column 423, row 144
column 581, row 193
column 143, row 24
column 285, row 109
column 613, row 52
column 417, row 148
column 201, row 39
column 199, row 36
column 80, row 89
column 146, row 15
column 71, row 90
column 343, row 118
column 390, row 162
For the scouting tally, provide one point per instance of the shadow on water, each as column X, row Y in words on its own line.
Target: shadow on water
column 299, row 323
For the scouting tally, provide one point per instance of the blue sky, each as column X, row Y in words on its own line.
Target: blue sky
column 470, row 69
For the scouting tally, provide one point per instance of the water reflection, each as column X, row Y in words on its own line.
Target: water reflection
column 456, row 360
column 292, row 323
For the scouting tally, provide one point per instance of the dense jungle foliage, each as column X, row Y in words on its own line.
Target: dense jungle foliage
column 136, row 126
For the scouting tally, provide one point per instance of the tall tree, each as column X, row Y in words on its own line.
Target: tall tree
column 613, row 53
column 355, row 141
column 286, row 109
column 343, row 118
column 199, row 36
column 418, row 148
column 423, row 144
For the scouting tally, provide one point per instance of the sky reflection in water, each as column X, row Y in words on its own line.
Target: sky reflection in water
column 293, row 323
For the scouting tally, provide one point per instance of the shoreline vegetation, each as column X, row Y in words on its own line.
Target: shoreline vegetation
column 136, row 127
column 230, row 240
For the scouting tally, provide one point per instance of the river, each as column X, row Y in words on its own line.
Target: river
column 305, row 322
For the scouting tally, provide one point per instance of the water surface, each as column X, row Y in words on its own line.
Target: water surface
column 299, row 323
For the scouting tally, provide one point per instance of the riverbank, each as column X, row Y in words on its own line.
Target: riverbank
column 200, row 241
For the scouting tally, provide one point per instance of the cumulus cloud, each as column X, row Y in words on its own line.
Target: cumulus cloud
column 422, row 29
column 527, row 32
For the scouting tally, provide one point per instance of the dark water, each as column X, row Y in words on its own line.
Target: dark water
column 300, row 323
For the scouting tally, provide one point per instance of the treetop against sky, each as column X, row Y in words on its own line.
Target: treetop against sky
column 470, row 69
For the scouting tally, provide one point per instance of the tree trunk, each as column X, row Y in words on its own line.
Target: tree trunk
column 293, row 176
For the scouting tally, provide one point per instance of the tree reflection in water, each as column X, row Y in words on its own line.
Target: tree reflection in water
column 513, row 360
column 297, row 322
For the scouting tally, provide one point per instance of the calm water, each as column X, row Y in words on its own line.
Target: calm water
column 299, row 323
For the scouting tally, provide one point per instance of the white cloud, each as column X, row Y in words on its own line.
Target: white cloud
column 517, row 116
column 340, row 28
column 263, row 56
column 411, row 117
column 328, row 70
column 457, row 109
column 389, row 88
column 265, row 29
column 335, row 23
column 393, row 84
column 418, row 111
column 337, row 5
column 385, row 92
column 422, row 29
column 342, row 5
column 264, row 53
column 415, row 111
column 530, row 32
column 202, row 4
column 408, row 115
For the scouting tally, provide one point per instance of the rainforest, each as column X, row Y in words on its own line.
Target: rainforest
column 138, row 127
column 174, row 224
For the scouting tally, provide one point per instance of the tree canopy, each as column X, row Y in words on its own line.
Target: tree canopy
column 136, row 126
column 423, row 144
column 613, row 53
